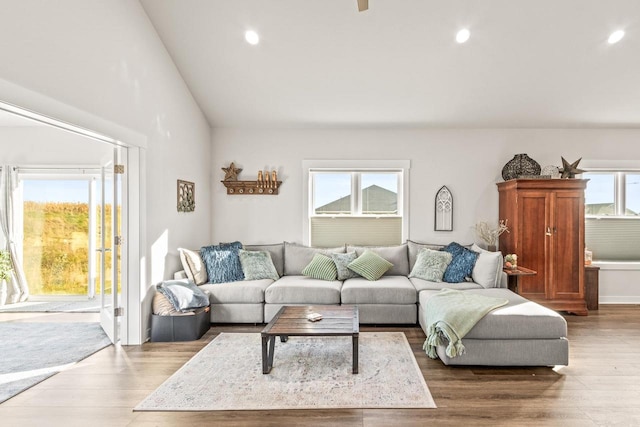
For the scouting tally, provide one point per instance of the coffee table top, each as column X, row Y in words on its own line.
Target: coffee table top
column 337, row 320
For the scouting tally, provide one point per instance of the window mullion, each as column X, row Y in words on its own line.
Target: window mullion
column 619, row 196
column 356, row 199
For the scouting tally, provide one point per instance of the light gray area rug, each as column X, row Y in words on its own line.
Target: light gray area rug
column 83, row 306
column 308, row 373
column 32, row 352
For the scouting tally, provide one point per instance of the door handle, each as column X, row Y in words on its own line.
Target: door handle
column 548, row 233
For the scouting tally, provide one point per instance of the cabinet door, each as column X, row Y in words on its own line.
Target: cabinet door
column 567, row 256
column 533, row 217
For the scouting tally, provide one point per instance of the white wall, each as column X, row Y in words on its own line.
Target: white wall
column 468, row 162
column 44, row 145
column 104, row 58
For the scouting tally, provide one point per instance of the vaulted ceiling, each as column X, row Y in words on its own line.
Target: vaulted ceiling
column 321, row 63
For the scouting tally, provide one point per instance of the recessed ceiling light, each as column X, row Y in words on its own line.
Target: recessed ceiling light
column 252, row 37
column 616, row 36
column 463, row 35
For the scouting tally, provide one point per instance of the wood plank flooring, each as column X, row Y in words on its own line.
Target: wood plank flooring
column 601, row 386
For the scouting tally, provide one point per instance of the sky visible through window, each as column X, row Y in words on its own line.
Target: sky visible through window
column 60, row 191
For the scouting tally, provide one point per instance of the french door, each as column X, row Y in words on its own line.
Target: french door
column 111, row 225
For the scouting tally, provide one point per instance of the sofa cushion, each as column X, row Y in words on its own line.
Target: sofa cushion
column 421, row 284
column 222, row 262
column 370, row 265
column 342, row 262
column 303, row 290
column 276, row 251
column 243, row 292
column 413, row 248
column 297, row 257
column 396, row 255
column 257, row 265
column 321, row 267
column 520, row 319
column 487, row 272
column 431, row 265
column 193, row 265
column 386, row 290
column 461, row 266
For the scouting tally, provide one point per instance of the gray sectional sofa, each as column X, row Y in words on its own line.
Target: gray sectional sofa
column 521, row 333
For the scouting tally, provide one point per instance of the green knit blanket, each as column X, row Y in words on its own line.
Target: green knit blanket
column 450, row 316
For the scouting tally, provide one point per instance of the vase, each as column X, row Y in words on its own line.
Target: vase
column 520, row 165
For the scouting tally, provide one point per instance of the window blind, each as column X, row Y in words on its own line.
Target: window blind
column 613, row 239
column 335, row 231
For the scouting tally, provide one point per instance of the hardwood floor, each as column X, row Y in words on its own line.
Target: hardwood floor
column 601, row 386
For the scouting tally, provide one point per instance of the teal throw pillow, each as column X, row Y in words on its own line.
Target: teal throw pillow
column 342, row 261
column 461, row 266
column 257, row 265
column 370, row 265
column 431, row 265
column 222, row 262
column 321, row 267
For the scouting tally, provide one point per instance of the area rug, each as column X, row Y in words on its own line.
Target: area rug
column 31, row 352
column 82, row 306
column 308, row 373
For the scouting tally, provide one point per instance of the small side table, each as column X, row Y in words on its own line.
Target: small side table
column 514, row 277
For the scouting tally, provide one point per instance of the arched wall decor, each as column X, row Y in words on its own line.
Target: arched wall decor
column 443, row 210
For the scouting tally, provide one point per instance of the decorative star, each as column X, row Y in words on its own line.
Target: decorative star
column 569, row 170
column 231, row 173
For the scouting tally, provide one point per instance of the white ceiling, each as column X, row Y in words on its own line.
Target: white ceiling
column 8, row 119
column 321, row 63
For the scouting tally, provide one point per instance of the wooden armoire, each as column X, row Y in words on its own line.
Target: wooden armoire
column 546, row 230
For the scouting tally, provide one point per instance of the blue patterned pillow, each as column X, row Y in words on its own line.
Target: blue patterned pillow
column 223, row 262
column 461, row 265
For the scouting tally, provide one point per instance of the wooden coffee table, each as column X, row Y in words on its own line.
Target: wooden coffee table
column 291, row 321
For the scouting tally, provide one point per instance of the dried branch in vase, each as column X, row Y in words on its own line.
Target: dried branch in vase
column 488, row 233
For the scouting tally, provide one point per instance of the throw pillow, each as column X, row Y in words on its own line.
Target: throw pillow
column 431, row 265
column 342, row 261
column 276, row 251
column 184, row 295
column 396, row 255
column 461, row 265
column 488, row 269
column 370, row 265
column 414, row 249
column 193, row 265
column 321, row 267
column 222, row 262
column 297, row 257
column 257, row 265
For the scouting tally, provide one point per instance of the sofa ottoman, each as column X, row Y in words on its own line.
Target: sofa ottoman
column 521, row 333
column 388, row 300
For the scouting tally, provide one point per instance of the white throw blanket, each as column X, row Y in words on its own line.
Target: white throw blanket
column 451, row 314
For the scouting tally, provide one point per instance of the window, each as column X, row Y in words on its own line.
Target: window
column 357, row 205
column 612, row 210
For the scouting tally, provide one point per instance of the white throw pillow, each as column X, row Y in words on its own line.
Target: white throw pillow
column 488, row 269
column 193, row 265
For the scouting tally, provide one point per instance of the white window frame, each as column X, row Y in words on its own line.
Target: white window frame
column 362, row 166
column 615, row 167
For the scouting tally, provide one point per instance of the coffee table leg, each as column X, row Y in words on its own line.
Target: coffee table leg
column 268, row 348
column 355, row 354
column 284, row 338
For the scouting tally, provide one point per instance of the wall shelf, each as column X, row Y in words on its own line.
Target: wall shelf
column 269, row 188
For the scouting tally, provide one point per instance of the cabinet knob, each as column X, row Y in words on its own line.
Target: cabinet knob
column 548, row 233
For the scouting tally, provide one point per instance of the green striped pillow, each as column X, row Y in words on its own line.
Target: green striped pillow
column 321, row 267
column 370, row 265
